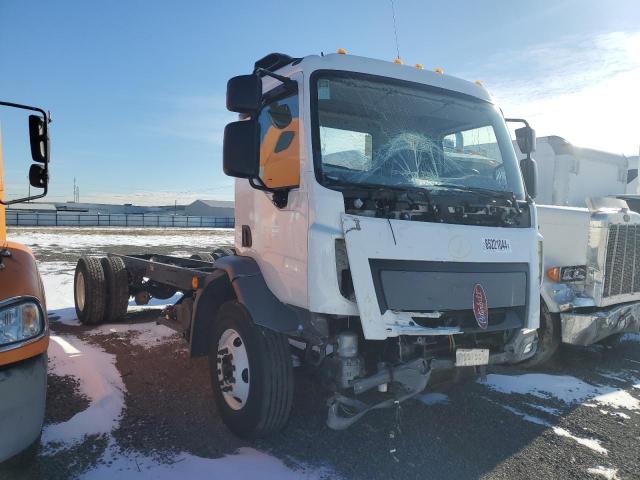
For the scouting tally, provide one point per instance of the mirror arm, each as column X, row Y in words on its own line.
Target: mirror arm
column 520, row 120
column 285, row 80
column 517, row 120
column 279, row 197
column 47, row 120
column 26, row 199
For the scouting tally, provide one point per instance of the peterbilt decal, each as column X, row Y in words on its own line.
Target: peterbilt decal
column 480, row 307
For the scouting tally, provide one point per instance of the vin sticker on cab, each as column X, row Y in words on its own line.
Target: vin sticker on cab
column 496, row 245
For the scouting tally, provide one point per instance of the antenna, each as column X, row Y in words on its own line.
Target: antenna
column 395, row 29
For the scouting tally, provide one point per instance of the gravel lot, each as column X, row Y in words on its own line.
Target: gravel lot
column 579, row 418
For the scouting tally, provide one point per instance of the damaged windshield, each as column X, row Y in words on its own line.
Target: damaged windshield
column 375, row 131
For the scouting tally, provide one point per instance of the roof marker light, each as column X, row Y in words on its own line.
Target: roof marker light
column 341, row 51
column 479, row 83
column 398, row 61
column 438, row 70
column 419, row 66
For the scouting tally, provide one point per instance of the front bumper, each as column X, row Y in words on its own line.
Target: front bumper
column 521, row 347
column 588, row 328
column 23, row 389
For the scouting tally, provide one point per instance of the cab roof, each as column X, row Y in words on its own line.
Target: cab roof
column 286, row 65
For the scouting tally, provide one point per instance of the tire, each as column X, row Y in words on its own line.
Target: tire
column 89, row 290
column 205, row 257
column 220, row 252
column 259, row 402
column 549, row 337
column 117, row 283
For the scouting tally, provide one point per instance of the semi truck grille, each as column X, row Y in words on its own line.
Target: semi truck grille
column 622, row 260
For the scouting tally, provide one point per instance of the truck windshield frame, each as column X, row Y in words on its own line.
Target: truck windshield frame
column 427, row 136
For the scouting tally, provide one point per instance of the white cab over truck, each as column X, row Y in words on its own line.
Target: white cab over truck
column 591, row 287
column 383, row 232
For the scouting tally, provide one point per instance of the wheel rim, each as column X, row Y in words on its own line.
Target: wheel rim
column 80, row 291
column 233, row 369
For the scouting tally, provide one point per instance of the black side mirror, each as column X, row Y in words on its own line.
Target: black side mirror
column 38, row 138
column 38, row 176
column 244, row 94
column 526, row 138
column 530, row 175
column 241, row 149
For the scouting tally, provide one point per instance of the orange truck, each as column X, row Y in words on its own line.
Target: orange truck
column 24, row 330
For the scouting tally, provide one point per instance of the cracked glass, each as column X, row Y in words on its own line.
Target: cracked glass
column 386, row 132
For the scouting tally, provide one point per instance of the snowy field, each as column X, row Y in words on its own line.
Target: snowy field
column 127, row 402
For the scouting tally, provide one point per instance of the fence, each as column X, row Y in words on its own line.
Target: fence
column 66, row 219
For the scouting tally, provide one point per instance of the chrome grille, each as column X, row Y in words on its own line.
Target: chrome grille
column 622, row 260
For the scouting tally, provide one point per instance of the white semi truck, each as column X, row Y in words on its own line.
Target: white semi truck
column 376, row 241
column 591, row 285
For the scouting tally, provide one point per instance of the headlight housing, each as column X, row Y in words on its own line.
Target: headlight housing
column 20, row 320
column 573, row 273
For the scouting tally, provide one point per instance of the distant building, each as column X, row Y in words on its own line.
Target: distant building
column 199, row 208
column 210, row 208
column 33, row 207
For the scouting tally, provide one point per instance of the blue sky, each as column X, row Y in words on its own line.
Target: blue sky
column 137, row 88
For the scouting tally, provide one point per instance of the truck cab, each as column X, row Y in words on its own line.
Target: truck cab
column 24, row 331
column 387, row 204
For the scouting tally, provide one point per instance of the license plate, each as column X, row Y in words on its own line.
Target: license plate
column 471, row 357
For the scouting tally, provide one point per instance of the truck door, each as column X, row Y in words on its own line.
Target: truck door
column 279, row 231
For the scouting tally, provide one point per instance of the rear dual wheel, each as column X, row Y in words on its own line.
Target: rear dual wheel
column 101, row 289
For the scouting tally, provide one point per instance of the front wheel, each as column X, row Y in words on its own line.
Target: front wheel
column 251, row 373
column 549, row 338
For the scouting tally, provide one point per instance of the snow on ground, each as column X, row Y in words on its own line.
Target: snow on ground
column 245, row 464
column 590, row 443
column 565, row 388
column 99, row 380
column 76, row 238
column 631, row 337
column 607, row 473
column 568, row 390
column 433, row 398
column 145, row 335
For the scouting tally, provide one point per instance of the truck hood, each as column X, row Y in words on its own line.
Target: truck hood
column 566, row 233
column 401, row 268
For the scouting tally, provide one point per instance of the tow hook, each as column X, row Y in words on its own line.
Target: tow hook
column 412, row 378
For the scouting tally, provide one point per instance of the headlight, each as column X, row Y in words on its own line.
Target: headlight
column 20, row 321
column 573, row 274
column 576, row 273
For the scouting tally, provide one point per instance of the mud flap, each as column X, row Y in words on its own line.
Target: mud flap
column 412, row 377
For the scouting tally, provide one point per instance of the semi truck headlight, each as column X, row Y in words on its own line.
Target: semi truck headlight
column 574, row 273
column 20, row 321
